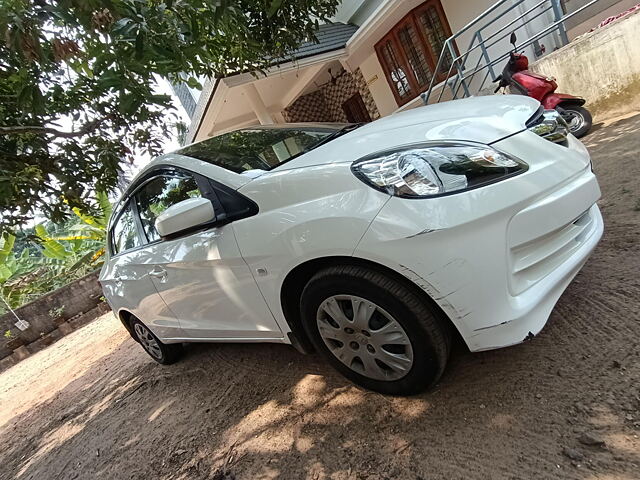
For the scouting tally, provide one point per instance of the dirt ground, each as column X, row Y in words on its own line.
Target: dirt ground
column 94, row 405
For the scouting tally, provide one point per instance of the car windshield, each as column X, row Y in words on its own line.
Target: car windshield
column 261, row 148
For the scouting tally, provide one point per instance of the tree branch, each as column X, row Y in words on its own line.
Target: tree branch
column 19, row 129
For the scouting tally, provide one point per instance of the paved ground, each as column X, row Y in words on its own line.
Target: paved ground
column 95, row 406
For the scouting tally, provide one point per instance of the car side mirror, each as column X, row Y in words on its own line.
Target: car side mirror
column 185, row 215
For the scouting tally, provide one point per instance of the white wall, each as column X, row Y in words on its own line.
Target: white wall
column 593, row 15
column 603, row 67
column 378, row 85
column 346, row 9
column 365, row 10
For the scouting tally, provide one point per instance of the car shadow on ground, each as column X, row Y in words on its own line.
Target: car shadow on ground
column 265, row 411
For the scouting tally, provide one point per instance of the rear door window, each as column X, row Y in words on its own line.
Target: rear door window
column 124, row 235
column 158, row 194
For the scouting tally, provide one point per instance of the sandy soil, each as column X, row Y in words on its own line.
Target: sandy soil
column 95, row 406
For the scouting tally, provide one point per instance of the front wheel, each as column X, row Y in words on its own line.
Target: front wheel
column 375, row 330
column 578, row 118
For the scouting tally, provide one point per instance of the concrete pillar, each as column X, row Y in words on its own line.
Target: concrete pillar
column 258, row 106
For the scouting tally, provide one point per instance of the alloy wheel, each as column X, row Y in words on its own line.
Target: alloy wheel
column 576, row 121
column 147, row 340
column 365, row 337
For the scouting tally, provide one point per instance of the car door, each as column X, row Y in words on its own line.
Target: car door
column 201, row 275
column 126, row 282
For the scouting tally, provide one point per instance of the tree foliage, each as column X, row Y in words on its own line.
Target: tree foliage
column 78, row 80
column 50, row 256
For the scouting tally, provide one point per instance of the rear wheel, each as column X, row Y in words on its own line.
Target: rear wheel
column 163, row 353
column 375, row 330
column 579, row 120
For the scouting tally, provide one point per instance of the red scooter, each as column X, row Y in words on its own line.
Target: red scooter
column 520, row 80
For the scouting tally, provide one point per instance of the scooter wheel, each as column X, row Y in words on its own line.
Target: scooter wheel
column 579, row 120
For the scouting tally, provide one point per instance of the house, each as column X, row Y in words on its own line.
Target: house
column 379, row 55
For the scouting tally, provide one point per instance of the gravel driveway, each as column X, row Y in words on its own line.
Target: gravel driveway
column 564, row 405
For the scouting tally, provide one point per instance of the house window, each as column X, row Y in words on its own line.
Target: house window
column 409, row 52
column 395, row 72
column 434, row 27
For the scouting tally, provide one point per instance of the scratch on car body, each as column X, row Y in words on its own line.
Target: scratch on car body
column 423, row 232
column 492, row 326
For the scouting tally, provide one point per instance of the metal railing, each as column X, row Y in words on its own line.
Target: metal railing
column 460, row 74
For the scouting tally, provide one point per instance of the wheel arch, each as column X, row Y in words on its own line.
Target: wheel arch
column 299, row 276
column 125, row 317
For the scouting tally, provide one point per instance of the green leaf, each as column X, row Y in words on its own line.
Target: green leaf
column 273, row 9
column 7, row 241
column 41, row 232
column 88, row 219
column 5, row 273
column 130, row 103
column 84, row 260
column 139, row 45
column 54, row 249
column 109, row 79
column 194, row 83
column 105, row 206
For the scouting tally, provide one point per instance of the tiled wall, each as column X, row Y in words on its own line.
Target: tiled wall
column 325, row 104
column 308, row 108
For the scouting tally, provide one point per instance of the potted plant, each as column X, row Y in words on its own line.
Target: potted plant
column 57, row 314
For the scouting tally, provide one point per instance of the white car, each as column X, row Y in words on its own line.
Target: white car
column 372, row 244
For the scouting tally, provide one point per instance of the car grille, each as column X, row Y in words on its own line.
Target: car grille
column 535, row 259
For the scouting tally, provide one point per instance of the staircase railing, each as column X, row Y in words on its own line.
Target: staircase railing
column 462, row 72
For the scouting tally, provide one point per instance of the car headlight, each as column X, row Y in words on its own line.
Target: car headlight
column 549, row 125
column 421, row 171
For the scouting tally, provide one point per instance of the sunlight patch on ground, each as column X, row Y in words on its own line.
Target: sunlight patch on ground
column 54, row 363
column 156, row 413
column 51, row 441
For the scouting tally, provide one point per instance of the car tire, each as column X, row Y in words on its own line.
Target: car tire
column 164, row 353
column 583, row 120
column 397, row 342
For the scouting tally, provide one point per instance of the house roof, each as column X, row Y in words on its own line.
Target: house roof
column 331, row 36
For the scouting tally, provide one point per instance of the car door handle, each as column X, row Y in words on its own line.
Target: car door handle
column 158, row 272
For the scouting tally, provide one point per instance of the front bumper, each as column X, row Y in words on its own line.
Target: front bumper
column 495, row 259
column 531, row 308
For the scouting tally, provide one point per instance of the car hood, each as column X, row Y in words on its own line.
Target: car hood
column 480, row 119
column 476, row 119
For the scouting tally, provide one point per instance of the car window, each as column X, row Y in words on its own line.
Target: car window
column 257, row 148
column 160, row 193
column 124, row 234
